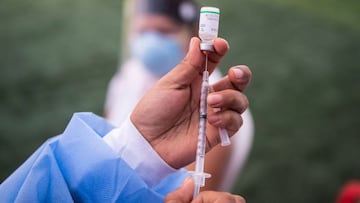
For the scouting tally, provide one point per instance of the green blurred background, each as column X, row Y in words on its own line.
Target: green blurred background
column 57, row 57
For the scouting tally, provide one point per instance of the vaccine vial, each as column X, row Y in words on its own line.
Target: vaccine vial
column 208, row 27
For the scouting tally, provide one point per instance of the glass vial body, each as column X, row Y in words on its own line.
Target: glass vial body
column 208, row 27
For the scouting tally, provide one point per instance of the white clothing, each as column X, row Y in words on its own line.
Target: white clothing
column 130, row 145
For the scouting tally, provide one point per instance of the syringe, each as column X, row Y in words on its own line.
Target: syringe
column 199, row 175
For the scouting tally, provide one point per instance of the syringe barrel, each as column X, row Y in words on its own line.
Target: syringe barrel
column 201, row 145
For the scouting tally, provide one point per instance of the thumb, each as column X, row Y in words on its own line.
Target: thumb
column 190, row 67
column 184, row 194
column 194, row 62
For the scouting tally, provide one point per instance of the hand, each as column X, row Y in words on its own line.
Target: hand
column 168, row 115
column 185, row 192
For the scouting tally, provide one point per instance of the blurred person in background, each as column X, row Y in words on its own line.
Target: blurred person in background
column 156, row 38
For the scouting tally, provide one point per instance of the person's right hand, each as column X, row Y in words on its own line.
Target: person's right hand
column 184, row 194
column 168, row 115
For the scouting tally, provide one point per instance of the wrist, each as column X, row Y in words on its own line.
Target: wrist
column 173, row 154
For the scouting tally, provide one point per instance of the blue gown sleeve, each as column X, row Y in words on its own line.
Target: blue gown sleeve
column 78, row 166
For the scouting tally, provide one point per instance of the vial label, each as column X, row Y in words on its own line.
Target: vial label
column 209, row 24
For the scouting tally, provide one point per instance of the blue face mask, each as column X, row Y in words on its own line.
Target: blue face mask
column 159, row 53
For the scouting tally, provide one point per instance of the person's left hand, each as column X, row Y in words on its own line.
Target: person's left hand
column 168, row 115
column 184, row 194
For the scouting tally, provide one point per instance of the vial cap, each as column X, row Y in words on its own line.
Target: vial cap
column 210, row 9
column 206, row 47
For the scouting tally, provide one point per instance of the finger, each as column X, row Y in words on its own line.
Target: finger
column 239, row 199
column 217, row 197
column 229, row 120
column 183, row 194
column 228, row 99
column 194, row 62
column 221, row 46
column 238, row 78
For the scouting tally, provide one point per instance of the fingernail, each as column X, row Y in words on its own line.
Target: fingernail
column 214, row 99
column 186, row 181
column 191, row 42
column 213, row 118
column 238, row 73
column 227, row 43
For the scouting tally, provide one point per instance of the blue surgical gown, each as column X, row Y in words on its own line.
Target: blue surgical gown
column 78, row 166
